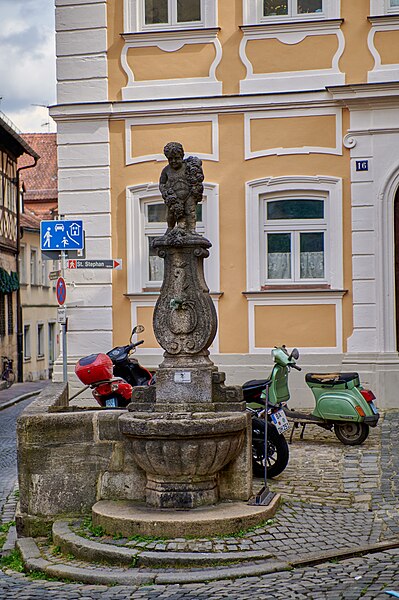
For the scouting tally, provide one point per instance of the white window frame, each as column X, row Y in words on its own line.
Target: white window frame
column 382, row 7
column 22, row 264
column 294, row 227
column 155, row 230
column 253, row 12
column 34, row 267
column 137, row 246
column 44, row 273
column 40, row 340
column 328, row 188
column 27, row 342
column 134, row 17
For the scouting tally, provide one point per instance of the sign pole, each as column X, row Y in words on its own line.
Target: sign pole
column 64, row 331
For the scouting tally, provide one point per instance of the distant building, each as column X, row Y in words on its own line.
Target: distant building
column 12, row 146
column 40, row 185
column 38, row 300
column 293, row 106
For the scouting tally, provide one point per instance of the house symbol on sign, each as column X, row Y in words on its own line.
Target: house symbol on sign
column 75, row 229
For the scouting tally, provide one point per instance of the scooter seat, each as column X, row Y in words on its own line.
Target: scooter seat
column 330, row 378
column 253, row 388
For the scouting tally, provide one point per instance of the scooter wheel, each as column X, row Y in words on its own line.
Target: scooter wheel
column 351, row 434
column 277, row 450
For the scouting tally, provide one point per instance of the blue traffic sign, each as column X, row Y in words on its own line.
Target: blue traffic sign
column 61, row 235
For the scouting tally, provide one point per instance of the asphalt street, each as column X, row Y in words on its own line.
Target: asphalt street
column 335, row 492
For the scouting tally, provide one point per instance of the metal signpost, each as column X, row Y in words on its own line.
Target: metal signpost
column 65, row 240
column 57, row 239
column 60, row 291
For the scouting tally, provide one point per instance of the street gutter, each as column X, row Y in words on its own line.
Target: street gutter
column 19, row 399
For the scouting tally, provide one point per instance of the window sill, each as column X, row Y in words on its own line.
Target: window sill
column 295, row 290
column 27, row 359
column 40, row 357
column 153, row 294
column 387, row 19
column 297, row 25
column 295, row 287
column 169, row 35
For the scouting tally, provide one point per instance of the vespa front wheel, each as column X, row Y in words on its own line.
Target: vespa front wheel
column 277, row 450
column 351, row 434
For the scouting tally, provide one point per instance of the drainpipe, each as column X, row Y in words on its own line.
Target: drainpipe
column 20, row 333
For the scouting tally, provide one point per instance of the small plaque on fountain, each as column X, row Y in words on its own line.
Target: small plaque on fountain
column 183, row 377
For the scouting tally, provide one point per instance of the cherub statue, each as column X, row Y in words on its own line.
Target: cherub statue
column 181, row 187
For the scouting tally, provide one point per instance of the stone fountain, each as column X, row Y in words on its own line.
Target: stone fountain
column 190, row 434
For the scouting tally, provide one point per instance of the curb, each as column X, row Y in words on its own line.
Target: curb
column 9, row 403
column 33, row 561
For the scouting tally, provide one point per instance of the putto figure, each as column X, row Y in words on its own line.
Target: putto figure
column 181, row 187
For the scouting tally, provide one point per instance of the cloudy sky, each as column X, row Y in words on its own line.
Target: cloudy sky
column 27, row 63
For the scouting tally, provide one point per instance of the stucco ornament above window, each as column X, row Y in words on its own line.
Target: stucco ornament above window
column 272, row 11
column 169, row 25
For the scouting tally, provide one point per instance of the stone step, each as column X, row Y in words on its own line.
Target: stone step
column 95, row 551
column 130, row 518
column 36, row 558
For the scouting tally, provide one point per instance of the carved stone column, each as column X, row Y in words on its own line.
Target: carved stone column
column 191, row 435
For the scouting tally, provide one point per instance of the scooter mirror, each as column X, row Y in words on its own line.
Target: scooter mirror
column 295, row 353
column 136, row 329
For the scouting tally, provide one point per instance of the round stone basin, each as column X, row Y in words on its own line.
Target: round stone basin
column 194, row 445
column 182, row 454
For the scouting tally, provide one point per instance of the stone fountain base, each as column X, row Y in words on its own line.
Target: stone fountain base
column 130, row 519
column 183, row 455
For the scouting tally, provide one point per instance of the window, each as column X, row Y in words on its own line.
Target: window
column 33, row 267
column 27, row 353
column 292, row 8
column 22, row 264
column 10, row 314
column 45, row 280
column 294, row 232
column 155, row 225
column 2, row 315
column 40, row 339
column 172, row 12
column 271, row 11
column 294, row 238
column 51, row 343
column 145, row 219
column 381, row 7
column 150, row 15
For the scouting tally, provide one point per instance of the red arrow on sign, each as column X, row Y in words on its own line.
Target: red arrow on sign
column 118, row 264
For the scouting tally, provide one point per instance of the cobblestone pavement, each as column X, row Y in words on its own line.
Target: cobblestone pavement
column 335, row 497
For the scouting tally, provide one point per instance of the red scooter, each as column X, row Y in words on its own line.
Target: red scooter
column 112, row 376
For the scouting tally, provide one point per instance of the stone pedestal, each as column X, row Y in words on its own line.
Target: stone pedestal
column 187, row 432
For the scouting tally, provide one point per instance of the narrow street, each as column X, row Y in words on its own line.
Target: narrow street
column 369, row 475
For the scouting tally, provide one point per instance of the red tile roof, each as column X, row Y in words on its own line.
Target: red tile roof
column 40, row 182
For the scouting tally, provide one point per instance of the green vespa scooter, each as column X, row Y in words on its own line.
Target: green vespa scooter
column 342, row 403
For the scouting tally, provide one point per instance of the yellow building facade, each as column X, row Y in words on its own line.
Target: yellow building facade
column 293, row 107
